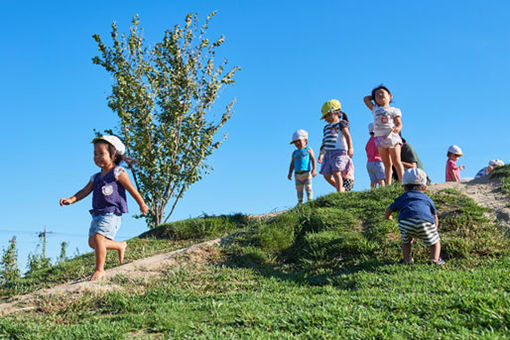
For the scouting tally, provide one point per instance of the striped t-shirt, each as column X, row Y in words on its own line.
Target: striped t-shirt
column 333, row 138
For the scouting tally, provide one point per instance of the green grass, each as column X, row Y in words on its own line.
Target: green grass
column 324, row 270
column 165, row 238
column 218, row 302
column 503, row 172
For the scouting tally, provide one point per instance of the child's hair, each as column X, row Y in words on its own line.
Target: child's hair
column 343, row 116
column 116, row 157
column 413, row 186
column 448, row 154
column 379, row 88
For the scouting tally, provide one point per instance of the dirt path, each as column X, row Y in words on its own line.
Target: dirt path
column 484, row 192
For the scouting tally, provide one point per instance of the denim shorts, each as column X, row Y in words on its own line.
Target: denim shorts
column 376, row 171
column 335, row 161
column 106, row 225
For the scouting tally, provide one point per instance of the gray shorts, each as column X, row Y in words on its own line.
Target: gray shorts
column 419, row 229
column 376, row 171
column 106, row 225
column 335, row 161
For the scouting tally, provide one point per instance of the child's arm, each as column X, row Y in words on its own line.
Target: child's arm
column 347, row 135
column 368, row 102
column 388, row 214
column 79, row 195
column 437, row 220
column 398, row 124
column 314, row 165
column 291, row 167
column 123, row 179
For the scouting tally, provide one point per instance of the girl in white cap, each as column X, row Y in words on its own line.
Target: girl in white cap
column 303, row 165
column 452, row 170
column 108, row 201
column 387, row 125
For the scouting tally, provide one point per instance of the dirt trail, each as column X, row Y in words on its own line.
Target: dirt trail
column 483, row 191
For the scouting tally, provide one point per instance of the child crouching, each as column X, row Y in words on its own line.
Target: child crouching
column 418, row 216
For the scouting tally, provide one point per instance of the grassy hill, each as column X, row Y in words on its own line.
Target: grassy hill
column 321, row 270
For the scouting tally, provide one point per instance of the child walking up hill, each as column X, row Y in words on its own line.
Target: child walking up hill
column 452, row 170
column 418, row 216
column 108, row 201
column 336, row 150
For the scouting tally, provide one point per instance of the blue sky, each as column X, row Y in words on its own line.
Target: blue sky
column 446, row 63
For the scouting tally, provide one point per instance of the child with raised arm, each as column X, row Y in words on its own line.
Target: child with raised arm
column 452, row 170
column 303, row 165
column 375, row 166
column 108, row 201
column 336, row 150
column 418, row 216
column 387, row 125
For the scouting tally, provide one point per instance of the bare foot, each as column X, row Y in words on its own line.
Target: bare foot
column 122, row 250
column 98, row 275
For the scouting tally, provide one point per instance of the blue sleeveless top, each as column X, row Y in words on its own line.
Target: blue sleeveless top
column 109, row 196
column 302, row 160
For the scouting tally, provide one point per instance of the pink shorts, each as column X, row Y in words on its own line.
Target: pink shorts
column 388, row 142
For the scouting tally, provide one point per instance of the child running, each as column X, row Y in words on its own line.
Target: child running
column 375, row 166
column 418, row 216
column 108, row 200
column 452, row 170
column 336, row 149
column 303, row 165
column 387, row 125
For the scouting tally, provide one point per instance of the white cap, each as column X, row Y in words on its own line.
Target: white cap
column 496, row 162
column 299, row 134
column 113, row 140
column 455, row 150
column 414, row 176
column 371, row 127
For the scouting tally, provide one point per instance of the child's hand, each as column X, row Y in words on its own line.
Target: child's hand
column 314, row 173
column 144, row 209
column 321, row 156
column 462, row 167
column 350, row 153
column 390, row 218
column 289, row 177
column 66, row 201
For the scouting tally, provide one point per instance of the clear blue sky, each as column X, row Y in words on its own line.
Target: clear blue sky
column 446, row 62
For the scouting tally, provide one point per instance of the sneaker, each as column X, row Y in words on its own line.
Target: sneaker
column 403, row 261
column 439, row 262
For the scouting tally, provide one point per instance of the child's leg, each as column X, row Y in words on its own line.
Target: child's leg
column 299, row 190
column 329, row 179
column 339, row 182
column 381, row 183
column 397, row 163
column 98, row 243
column 385, row 156
column 309, row 190
column 373, row 185
column 406, row 251
column 435, row 251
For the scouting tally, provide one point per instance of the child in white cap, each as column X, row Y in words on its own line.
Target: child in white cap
column 108, row 201
column 417, row 216
column 302, row 164
column 494, row 163
column 375, row 166
column 336, row 149
column 452, row 170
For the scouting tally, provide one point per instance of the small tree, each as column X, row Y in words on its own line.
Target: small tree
column 9, row 270
column 162, row 95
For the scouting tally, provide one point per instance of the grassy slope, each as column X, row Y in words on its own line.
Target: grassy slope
column 324, row 270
